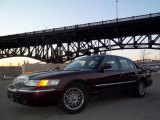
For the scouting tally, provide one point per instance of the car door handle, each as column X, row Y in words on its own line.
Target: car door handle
column 121, row 74
column 136, row 72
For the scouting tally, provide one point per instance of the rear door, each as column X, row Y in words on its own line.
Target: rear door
column 128, row 70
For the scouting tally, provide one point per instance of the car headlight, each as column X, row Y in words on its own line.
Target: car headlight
column 20, row 79
column 41, row 83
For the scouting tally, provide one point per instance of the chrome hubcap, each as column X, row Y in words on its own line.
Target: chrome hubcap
column 73, row 98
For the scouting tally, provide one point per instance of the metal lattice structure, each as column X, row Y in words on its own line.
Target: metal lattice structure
column 62, row 44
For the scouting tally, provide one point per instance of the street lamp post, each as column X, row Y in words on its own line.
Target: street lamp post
column 117, row 9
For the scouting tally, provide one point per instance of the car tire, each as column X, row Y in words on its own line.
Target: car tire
column 74, row 98
column 140, row 90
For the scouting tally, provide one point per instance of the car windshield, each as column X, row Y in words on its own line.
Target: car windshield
column 89, row 62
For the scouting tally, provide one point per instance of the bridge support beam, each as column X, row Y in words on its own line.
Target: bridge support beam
column 62, row 52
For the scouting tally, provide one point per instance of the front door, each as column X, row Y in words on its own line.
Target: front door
column 111, row 76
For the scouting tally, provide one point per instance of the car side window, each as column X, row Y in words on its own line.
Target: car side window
column 112, row 60
column 126, row 64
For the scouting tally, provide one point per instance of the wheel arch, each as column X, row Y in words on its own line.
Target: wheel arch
column 83, row 82
column 142, row 78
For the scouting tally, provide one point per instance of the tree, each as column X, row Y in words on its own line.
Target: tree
column 144, row 55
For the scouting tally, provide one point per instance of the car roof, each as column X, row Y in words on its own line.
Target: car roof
column 108, row 55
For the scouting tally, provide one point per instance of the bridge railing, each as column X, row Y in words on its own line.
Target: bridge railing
column 103, row 22
column 91, row 24
column 70, row 27
column 82, row 25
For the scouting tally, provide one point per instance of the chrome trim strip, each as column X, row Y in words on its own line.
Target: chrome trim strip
column 30, row 91
column 100, row 85
column 36, row 91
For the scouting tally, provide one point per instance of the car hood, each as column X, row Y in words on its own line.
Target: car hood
column 55, row 74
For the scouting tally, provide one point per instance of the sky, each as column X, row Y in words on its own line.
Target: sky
column 19, row 16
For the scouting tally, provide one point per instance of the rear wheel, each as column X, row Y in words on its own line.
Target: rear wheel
column 74, row 98
column 140, row 89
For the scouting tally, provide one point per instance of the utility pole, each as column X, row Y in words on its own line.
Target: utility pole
column 110, row 47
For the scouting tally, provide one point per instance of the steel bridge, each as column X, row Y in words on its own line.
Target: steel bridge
column 58, row 45
column 148, row 63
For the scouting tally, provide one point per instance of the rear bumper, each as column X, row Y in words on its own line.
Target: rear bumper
column 34, row 97
column 149, row 82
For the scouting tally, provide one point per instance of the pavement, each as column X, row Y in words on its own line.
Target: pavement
column 117, row 106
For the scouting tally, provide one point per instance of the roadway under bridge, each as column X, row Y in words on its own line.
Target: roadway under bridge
column 59, row 45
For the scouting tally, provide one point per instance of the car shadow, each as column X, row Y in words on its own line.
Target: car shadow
column 96, row 102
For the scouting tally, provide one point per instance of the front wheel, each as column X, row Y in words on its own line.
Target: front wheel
column 74, row 98
column 140, row 90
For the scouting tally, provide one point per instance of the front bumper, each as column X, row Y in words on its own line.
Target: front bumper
column 30, row 96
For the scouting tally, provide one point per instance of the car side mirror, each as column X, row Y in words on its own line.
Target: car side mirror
column 105, row 66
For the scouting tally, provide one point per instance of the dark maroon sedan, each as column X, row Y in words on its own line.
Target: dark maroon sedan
column 82, row 78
